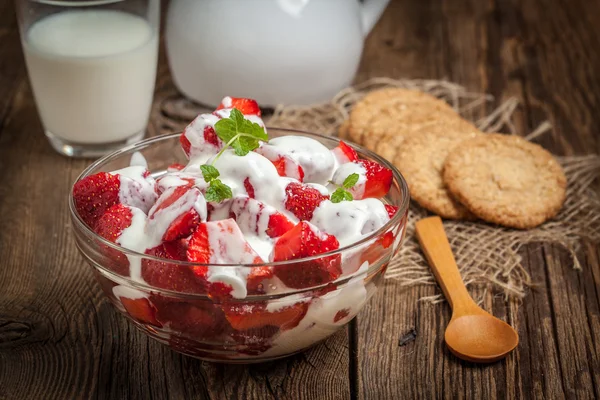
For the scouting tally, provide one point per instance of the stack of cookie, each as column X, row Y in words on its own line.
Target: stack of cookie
column 452, row 168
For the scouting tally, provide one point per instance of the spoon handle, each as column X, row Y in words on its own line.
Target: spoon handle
column 435, row 245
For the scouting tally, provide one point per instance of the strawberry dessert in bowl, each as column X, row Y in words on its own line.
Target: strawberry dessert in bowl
column 230, row 242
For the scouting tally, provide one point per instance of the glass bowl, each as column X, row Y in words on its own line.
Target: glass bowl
column 259, row 327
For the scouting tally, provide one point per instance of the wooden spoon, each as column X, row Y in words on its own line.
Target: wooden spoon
column 472, row 334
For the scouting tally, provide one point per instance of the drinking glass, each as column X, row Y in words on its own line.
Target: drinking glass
column 92, row 68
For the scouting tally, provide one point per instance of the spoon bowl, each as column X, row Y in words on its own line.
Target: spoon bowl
column 480, row 338
column 473, row 334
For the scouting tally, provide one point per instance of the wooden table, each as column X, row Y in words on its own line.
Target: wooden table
column 60, row 338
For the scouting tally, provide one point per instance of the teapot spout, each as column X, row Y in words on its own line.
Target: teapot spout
column 371, row 10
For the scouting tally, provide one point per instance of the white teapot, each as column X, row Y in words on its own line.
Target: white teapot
column 275, row 51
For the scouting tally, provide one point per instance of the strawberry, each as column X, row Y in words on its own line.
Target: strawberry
column 245, row 106
column 279, row 224
column 305, row 240
column 137, row 187
column 175, row 166
column 198, row 247
column 344, row 153
column 249, row 188
column 284, row 163
column 210, row 136
column 200, row 135
column 249, row 212
column 166, row 275
column 185, row 144
column 94, row 194
column 391, row 210
column 341, row 314
column 247, row 316
column 256, row 277
column 302, row 200
column 224, row 234
column 379, row 179
column 142, row 310
column 200, row 320
column 113, row 222
column 178, row 206
column 219, row 242
column 110, row 226
column 377, row 250
column 286, row 166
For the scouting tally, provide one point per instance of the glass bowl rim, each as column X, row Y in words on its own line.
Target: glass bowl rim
column 402, row 208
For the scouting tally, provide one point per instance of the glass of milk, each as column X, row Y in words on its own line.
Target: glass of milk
column 92, row 68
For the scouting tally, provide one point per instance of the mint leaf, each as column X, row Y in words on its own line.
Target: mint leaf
column 238, row 132
column 350, row 181
column 341, row 195
column 209, row 172
column 218, row 191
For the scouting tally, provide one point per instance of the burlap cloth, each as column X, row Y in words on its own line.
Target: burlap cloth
column 487, row 255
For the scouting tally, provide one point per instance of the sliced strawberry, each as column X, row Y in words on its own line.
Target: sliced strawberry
column 137, row 188
column 178, row 207
column 142, row 310
column 94, row 194
column 220, row 242
column 305, row 240
column 176, row 166
column 391, row 210
column 249, row 188
column 341, row 315
column 249, row 214
column 256, row 277
column 199, row 247
column 302, row 200
column 177, row 178
column 245, row 106
column 286, row 166
column 171, row 276
column 279, row 224
column 376, row 251
column 113, row 222
column 199, row 136
column 344, row 153
column 199, row 320
column 110, row 226
column 247, row 316
column 283, row 162
column 185, row 144
column 379, row 179
column 210, row 136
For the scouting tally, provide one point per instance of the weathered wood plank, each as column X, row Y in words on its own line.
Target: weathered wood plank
column 502, row 48
column 12, row 69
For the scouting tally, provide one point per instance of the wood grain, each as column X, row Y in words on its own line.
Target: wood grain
column 59, row 338
column 517, row 49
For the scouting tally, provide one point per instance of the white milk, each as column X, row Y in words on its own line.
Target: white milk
column 92, row 74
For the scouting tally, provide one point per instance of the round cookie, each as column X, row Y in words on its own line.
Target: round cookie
column 343, row 130
column 421, row 160
column 506, row 180
column 388, row 112
column 389, row 145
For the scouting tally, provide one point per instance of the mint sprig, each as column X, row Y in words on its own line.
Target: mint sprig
column 341, row 193
column 240, row 134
